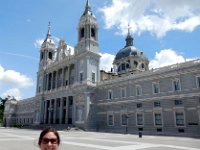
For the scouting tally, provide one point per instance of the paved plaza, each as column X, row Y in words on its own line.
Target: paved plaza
column 19, row 139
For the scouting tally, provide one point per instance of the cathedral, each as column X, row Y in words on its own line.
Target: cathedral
column 72, row 90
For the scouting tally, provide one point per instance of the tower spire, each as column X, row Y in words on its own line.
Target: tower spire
column 48, row 37
column 49, row 30
column 87, row 8
column 129, row 38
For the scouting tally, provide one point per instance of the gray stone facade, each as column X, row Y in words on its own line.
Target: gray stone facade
column 170, row 109
column 71, row 89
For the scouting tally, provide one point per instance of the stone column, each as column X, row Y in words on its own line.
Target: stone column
column 50, row 109
column 54, row 111
column 42, row 106
column 47, row 83
column 52, row 81
column 62, row 78
column 45, row 111
column 66, row 110
column 68, row 72
column 57, row 78
column 61, row 110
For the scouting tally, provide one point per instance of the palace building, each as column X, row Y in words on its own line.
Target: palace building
column 73, row 91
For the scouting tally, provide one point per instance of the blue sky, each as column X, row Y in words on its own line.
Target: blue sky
column 167, row 31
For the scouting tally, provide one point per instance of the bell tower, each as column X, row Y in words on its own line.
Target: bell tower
column 47, row 52
column 87, row 32
column 87, row 48
column 47, row 49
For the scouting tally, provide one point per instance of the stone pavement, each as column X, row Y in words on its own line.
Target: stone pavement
column 18, row 139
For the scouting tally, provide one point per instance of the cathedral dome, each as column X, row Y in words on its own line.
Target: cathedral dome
column 130, row 59
column 130, row 51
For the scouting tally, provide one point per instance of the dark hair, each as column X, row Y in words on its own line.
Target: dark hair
column 47, row 130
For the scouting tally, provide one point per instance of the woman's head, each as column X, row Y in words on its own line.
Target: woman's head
column 49, row 139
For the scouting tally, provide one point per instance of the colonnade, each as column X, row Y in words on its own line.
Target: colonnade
column 58, row 111
column 62, row 77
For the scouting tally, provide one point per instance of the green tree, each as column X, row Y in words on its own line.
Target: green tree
column 2, row 106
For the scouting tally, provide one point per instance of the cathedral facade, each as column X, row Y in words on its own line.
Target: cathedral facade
column 73, row 91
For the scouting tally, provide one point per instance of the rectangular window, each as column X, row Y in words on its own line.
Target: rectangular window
column 124, row 119
column 139, row 119
column 198, row 82
column 179, row 119
column 156, row 88
column 132, row 90
column 110, row 94
column 123, row 92
column 139, row 105
column 178, row 102
column 93, row 77
column 81, row 77
column 176, row 85
column 138, row 90
column 123, row 67
column 158, row 119
column 110, row 120
column 156, row 104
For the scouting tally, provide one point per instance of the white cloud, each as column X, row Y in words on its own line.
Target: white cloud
column 162, row 58
column 15, row 92
column 166, row 57
column 38, row 43
column 156, row 17
column 106, row 61
column 188, row 25
column 15, row 79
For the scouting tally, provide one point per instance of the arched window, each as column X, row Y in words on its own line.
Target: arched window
column 50, row 55
column 92, row 32
column 142, row 65
column 135, row 63
column 127, row 65
column 82, row 33
column 41, row 55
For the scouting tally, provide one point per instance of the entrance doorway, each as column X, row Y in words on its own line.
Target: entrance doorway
column 70, row 109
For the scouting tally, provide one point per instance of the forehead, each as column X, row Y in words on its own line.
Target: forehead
column 50, row 135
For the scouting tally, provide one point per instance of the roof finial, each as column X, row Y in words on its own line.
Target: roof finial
column 129, row 38
column 87, row 7
column 87, row 4
column 49, row 29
